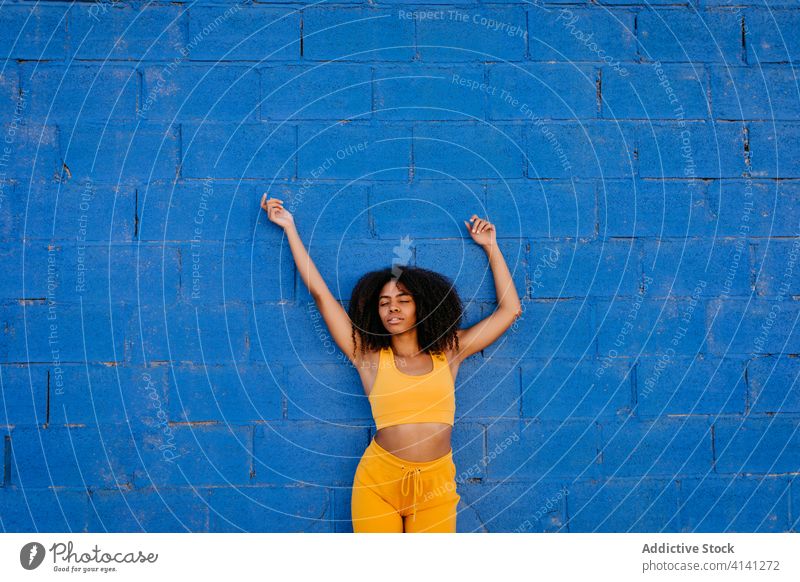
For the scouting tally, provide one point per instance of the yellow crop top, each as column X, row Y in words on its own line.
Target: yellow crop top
column 398, row 398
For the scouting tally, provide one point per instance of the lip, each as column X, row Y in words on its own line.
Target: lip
column 390, row 322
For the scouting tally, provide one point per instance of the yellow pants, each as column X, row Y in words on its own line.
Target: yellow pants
column 394, row 495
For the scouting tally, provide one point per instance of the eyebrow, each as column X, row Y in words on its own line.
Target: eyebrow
column 396, row 295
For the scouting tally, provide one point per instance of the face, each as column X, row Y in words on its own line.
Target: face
column 396, row 308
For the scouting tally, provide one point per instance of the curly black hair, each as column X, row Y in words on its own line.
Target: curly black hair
column 438, row 307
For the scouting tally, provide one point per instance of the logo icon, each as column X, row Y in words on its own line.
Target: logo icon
column 31, row 555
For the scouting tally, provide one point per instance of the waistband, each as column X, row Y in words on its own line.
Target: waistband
column 375, row 449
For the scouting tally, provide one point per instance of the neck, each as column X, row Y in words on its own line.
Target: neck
column 406, row 345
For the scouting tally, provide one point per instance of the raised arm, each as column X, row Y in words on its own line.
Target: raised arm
column 333, row 313
column 485, row 332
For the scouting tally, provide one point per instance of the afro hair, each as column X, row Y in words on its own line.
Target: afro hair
column 439, row 310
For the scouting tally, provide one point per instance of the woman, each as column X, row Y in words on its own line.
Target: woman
column 402, row 335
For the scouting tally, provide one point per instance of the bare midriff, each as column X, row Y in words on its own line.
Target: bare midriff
column 419, row 441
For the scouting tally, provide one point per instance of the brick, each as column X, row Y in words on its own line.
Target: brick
column 542, row 209
column 769, row 35
column 776, row 265
column 693, row 386
column 775, row 4
column 117, row 153
column 447, row 151
column 43, row 510
column 217, row 92
column 76, row 456
column 280, row 332
column 562, row 328
column 220, row 393
column 578, row 269
column 325, row 91
column 794, row 501
column 24, row 394
column 579, row 150
column 483, row 34
column 575, row 34
column 14, row 103
column 429, row 92
column 100, row 31
column 341, row 509
column 553, row 91
column 697, row 268
column 541, row 450
column 487, row 388
column 662, row 209
column 743, row 93
column 33, row 153
column 322, row 391
column 773, row 385
column 774, row 147
column 185, row 333
column 322, row 211
column 299, row 453
column 753, row 327
column 144, row 511
column 353, row 151
column 82, row 211
column 214, row 272
column 623, row 505
column 81, row 93
column 270, row 509
column 35, row 32
column 755, row 207
column 516, row 507
column 692, row 149
column 196, row 210
column 100, row 394
column 476, row 280
column 356, row 34
column 649, row 326
column 662, row 447
column 679, row 35
column 428, row 205
column 45, row 328
column 654, row 91
column 558, row 389
column 469, row 453
column 468, row 519
column 254, row 33
column 96, row 272
column 194, row 455
column 737, row 504
column 756, row 445
column 237, row 151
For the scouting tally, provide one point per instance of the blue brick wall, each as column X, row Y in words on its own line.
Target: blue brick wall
column 162, row 366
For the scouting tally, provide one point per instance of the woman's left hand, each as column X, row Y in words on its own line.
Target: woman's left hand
column 481, row 231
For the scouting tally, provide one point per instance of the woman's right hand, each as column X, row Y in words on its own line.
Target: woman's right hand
column 276, row 212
